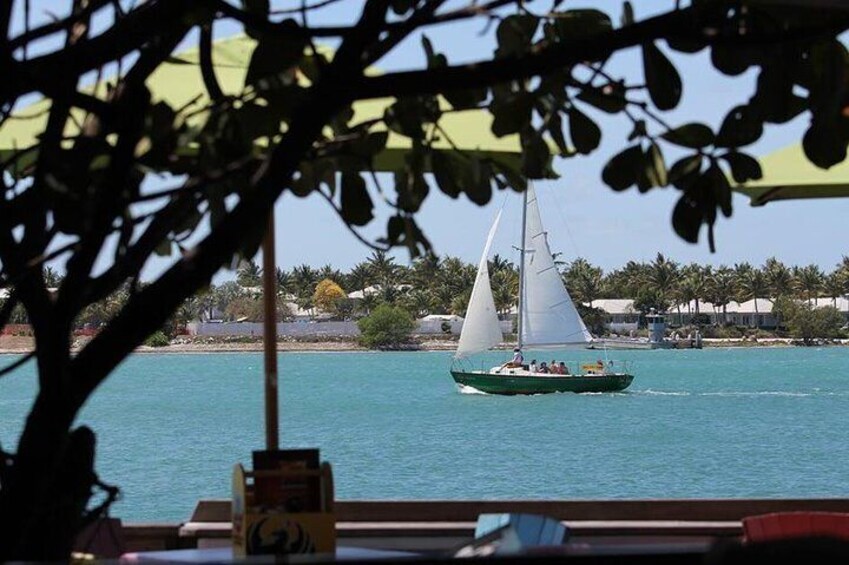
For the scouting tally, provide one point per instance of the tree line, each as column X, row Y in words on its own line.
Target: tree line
column 443, row 285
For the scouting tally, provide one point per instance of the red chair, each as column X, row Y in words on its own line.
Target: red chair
column 784, row 525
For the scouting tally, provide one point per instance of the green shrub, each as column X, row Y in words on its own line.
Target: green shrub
column 157, row 339
column 386, row 326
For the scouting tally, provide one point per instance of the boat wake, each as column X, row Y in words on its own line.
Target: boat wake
column 470, row 390
column 651, row 392
column 759, row 393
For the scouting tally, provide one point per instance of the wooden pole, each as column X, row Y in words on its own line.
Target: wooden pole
column 269, row 336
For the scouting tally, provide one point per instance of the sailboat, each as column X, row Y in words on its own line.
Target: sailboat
column 547, row 319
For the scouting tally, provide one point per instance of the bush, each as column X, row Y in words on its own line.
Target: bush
column 810, row 324
column 157, row 339
column 387, row 326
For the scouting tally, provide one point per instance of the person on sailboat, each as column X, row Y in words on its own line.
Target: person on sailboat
column 564, row 370
column 533, row 366
column 516, row 361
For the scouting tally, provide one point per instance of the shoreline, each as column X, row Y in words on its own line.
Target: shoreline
column 17, row 345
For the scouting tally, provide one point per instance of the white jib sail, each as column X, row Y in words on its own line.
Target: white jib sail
column 548, row 315
column 481, row 330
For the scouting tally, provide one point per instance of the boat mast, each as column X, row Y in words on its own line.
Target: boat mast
column 522, row 268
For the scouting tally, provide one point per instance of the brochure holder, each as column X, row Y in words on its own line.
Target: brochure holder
column 284, row 506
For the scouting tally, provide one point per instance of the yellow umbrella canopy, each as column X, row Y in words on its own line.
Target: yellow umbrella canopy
column 179, row 83
column 788, row 174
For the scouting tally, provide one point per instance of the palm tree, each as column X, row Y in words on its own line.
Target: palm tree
column 751, row 285
column 843, row 273
column 662, row 276
column 505, row 289
column 778, row 277
column 460, row 303
column 304, row 280
column 417, row 301
column 441, row 297
column 359, row 277
column 329, row 272
column 457, row 275
column 583, row 280
column 249, row 274
column 226, row 293
column 425, row 270
column 810, row 281
column 383, row 268
column 285, row 282
column 625, row 282
column 52, row 279
column 693, row 286
column 834, row 286
column 368, row 303
column 498, row 264
column 722, row 290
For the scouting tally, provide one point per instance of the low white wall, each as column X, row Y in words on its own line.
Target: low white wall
column 291, row 329
column 330, row 329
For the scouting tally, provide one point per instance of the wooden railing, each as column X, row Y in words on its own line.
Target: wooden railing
column 443, row 523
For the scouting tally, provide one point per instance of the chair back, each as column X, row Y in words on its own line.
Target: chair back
column 784, row 525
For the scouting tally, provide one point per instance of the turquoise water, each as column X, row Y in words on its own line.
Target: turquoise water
column 711, row 423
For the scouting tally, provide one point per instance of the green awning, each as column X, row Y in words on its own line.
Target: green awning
column 178, row 82
column 789, row 175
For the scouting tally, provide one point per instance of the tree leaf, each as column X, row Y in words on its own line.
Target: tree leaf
column 404, row 117
column 514, row 34
column 356, row 204
column 609, row 98
column 729, row 59
column 256, row 7
column 412, row 189
column 687, row 219
column 774, row 99
column 275, row 56
column 536, row 156
column 581, row 23
column 621, row 171
column 823, row 144
column 555, row 130
column 639, row 130
column 720, row 187
column 514, row 179
column 584, row 132
column 662, row 79
column 401, row 7
column 511, row 115
column 686, row 44
column 627, row 13
column 655, row 166
column 693, row 135
column 740, row 127
column 743, row 167
column 446, row 169
column 479, row 190
column 685, row 171
column 394, row 229
column 467, row 98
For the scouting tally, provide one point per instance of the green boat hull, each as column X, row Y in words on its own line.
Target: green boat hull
column 530, row 384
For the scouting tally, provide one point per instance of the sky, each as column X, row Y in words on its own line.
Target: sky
column 584, row 218
column 582, row 215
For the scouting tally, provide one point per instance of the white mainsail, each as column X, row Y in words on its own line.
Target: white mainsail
column 481, row 330
column 549, row 317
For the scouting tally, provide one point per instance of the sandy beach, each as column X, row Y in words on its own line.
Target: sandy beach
column 200, row 344
column 24, row 344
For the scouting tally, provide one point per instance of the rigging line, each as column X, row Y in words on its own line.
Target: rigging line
column 565, row 224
